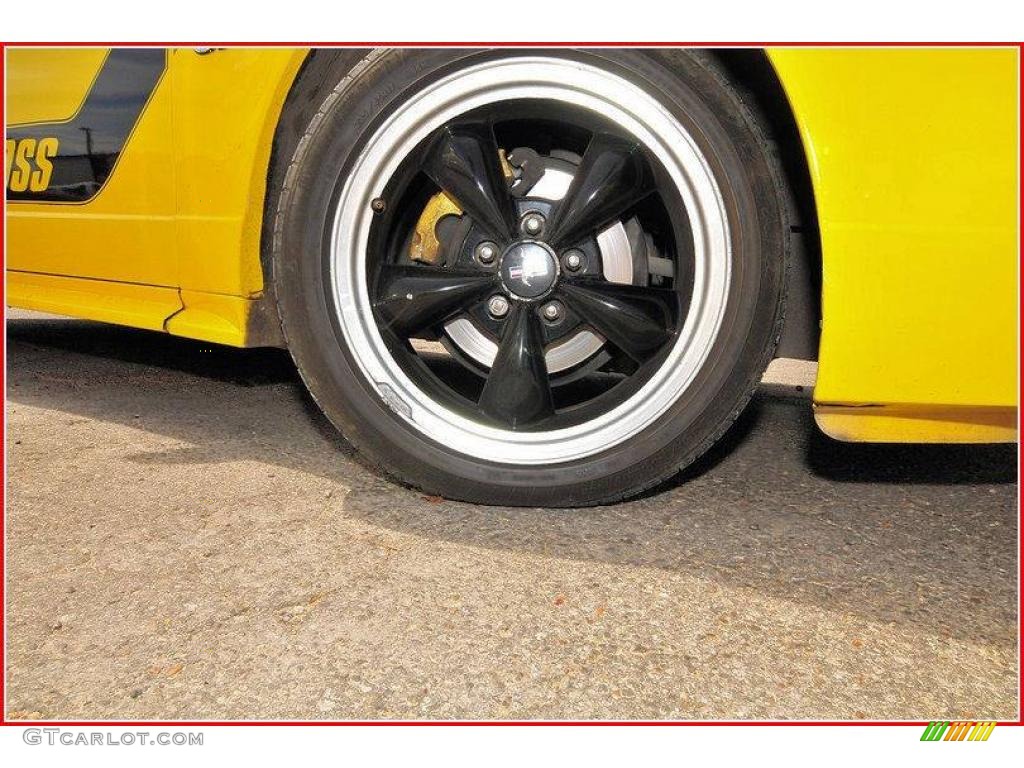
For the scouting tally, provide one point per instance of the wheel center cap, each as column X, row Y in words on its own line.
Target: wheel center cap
column 528, row 269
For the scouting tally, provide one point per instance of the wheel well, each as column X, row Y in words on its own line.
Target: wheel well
column 752, row 73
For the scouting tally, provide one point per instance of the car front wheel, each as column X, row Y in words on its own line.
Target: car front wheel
column 529, row 278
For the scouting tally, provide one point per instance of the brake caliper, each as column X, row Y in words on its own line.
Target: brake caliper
column 425, row 247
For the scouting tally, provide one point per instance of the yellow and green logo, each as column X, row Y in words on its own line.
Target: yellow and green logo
column 960, row 731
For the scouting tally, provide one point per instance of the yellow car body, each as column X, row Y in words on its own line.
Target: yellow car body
column 912, row 153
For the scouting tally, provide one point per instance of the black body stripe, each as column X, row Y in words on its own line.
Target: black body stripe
column 92, row 141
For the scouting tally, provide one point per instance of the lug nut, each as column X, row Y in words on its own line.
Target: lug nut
column 497, row 306
column 573, row 260
column 552, row 311
column 486, row 252
column 533, row 223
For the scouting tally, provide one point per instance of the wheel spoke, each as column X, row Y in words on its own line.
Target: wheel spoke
column 611, row 178
column 633, row 318
column 464, row 162
column 414, row 298
column 517, row 391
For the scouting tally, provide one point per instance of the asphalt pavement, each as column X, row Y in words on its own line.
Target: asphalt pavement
column 188, row 538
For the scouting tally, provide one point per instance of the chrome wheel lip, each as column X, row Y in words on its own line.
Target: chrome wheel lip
column 582, row 85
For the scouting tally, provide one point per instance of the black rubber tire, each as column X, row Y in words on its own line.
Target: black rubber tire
column 318, row 146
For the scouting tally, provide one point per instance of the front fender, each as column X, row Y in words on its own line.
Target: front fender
column 913, row 160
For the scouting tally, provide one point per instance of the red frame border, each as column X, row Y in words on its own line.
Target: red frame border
column 4, row 722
